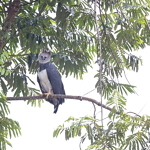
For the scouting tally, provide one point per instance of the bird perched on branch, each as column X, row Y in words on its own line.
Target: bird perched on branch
column 49, row 79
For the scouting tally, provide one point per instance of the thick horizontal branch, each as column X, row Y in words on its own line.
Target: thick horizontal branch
column 61, row 96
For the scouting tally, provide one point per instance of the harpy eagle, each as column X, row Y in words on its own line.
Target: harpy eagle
column 49, row 79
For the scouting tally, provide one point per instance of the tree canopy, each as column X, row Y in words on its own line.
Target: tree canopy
column 78, row 32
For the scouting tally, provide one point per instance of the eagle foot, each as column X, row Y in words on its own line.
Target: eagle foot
column 47, row 95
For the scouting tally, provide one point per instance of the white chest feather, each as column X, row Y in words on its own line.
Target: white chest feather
column 44, row 81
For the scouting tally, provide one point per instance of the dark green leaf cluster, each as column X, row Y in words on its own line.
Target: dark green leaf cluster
column 123, row 27
column 122, row 131
column 68, row 28
column 17, row 79
column 109, row 86
column 75, row 128
column 137, row 126
column 14, row 78
column 133, row 62
column 8, row 127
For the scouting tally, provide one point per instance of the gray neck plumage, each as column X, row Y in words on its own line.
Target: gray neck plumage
column 44, row 62
column 44, row 66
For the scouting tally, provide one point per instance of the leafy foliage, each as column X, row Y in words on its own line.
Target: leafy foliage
column 75, row 128
column 108, row 86
column 8, row 127
column 68, row 28
column 122, row 131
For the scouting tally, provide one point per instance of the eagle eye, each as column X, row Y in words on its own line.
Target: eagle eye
column 43, row 57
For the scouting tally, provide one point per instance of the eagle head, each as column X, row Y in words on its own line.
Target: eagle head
column 44, row 56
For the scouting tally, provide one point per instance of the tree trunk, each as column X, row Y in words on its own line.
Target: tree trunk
column 12, row 12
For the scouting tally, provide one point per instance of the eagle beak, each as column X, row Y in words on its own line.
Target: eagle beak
column 43, row 58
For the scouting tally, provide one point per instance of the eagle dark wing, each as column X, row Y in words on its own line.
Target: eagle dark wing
column 48, row 77
column 55, row 80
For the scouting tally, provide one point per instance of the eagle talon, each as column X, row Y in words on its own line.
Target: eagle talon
column 46, row 94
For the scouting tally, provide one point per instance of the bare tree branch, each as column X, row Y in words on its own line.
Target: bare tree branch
column 61, row 96
column 3, row 11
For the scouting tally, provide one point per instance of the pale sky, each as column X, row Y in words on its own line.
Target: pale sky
column 37, row 124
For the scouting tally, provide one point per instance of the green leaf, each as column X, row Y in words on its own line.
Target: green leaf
column 3, row 86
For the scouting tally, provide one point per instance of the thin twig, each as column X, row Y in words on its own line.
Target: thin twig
column 89, row 92
column 128, row 80
column 142, row 108
column 134, row 114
